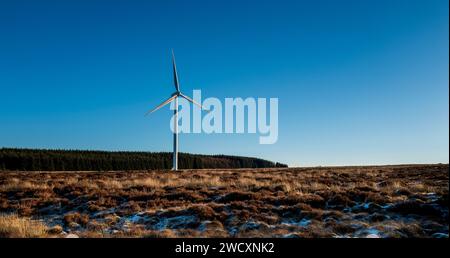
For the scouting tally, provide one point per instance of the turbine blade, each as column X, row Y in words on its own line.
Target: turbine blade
column 175, row 74
column 192, row 101
column 167, row 101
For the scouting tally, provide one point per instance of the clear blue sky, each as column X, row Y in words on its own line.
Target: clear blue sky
column 358, row 82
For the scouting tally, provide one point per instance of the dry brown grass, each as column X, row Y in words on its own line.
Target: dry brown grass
column 99, row 204
column 13, row 226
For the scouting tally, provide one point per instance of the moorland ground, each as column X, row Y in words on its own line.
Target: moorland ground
column 372, row 201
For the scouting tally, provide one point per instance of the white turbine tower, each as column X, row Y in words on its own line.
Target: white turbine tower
column 175, row 97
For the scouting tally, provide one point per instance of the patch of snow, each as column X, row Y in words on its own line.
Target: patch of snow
column 364, row 205
column 71, row 236
column 440, row 235
column 136, row 218
column 232, row 231
column 291, row 235
column 386, row 206
column 340, row 236
column 432, row 196
column 105, row 212
column 302, row 223
column 174, row 222
column 253, row 225
column 204, row 225
column 372, row 233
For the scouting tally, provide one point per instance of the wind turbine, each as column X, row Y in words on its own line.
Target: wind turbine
column 177, row 94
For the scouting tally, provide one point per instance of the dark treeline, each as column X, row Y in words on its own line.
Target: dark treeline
column 80, row 160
